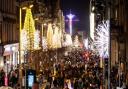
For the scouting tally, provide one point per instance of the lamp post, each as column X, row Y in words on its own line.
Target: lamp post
column 20, row 30
column 20, row 24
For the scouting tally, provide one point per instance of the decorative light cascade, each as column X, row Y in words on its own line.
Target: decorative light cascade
column 29, row 26
column 101, row 39
column 50, row 36
column 76, row 41
column 37, row 40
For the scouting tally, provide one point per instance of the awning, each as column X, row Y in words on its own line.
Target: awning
column 7, row 53
column 1, row 50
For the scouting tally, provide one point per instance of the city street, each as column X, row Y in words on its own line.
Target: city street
column 63, row 44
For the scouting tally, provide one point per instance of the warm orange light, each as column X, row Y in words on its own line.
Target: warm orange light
column 31, row 6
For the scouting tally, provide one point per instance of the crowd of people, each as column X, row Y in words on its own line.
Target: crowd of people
column 78, row 70
column 81, row 74
column 84, row 72
column 9, row 79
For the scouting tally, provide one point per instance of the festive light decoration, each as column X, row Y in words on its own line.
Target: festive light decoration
column 70, row 17
column 68, row 40
column 76, row 41
column 56, row 38
column 29, row 26
column 50, row 36
column 44, row 43
column 24, row 40
column 36, row 40
column 101, row 39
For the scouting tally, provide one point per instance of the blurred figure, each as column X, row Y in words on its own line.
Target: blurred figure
column 35, row 85
column 2, row 75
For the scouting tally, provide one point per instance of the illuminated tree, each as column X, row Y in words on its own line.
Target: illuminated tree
column 29, row 26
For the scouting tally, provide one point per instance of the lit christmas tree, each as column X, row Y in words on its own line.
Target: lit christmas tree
column 29, row 26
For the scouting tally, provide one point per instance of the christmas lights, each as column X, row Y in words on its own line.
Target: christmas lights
column 29, row 26
column 101, row 38
column 50, row 36
column 36, row 40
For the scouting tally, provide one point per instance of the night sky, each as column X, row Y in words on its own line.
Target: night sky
column 81, row 9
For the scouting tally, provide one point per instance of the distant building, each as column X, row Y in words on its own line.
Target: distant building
column 8, row 32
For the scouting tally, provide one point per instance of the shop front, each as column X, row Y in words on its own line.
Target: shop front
column 1, row 58
column 10, row 56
